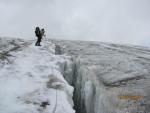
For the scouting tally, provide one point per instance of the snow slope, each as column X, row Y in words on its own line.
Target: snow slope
column 30, row 79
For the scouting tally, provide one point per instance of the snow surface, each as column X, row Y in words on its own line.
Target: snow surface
column 30, row 77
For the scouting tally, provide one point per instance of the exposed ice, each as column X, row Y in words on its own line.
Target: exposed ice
column 104, row 72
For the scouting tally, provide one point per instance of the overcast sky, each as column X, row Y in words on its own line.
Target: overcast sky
column 118, row 21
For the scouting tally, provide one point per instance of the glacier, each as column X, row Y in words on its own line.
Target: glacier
column 73, row 76
column 108, row 78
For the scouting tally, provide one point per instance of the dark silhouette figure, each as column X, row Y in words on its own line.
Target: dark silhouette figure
column 39, row 36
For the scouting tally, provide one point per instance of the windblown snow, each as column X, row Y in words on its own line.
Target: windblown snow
column 30, row 79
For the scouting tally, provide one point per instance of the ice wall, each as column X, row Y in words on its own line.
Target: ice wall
column 88, row 96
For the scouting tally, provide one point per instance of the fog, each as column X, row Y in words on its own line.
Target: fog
column 117, row 21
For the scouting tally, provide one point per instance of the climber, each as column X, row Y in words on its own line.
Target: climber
column 39, row 36
column 43, row 32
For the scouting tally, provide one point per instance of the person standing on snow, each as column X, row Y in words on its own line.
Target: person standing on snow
column 43, row 32
column 38, row 35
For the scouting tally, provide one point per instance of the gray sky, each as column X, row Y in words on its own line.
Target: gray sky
column 118, row 21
